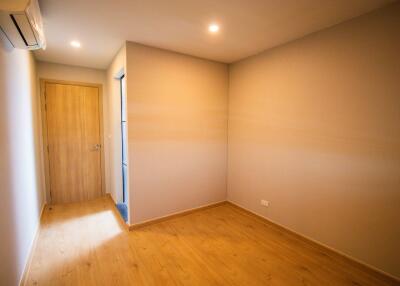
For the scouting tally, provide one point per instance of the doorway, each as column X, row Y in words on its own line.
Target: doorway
column 72, row 133
column 123, row 206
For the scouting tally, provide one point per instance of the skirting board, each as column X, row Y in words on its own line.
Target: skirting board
column 173, row 215
column 361, row 265
column 23, row 281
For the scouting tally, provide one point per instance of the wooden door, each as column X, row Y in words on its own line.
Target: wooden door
column 74, row 142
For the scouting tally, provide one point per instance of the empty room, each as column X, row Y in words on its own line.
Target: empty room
column 188, row 142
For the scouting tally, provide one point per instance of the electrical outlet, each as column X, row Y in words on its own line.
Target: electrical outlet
column 265, row 203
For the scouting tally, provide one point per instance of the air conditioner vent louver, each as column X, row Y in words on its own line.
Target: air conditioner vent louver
column 24, row 28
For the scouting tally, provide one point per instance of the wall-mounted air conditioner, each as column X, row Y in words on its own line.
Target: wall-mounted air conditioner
column 21, row 22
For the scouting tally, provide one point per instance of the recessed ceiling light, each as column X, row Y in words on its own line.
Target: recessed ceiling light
column 213, row 28
column 75, row 44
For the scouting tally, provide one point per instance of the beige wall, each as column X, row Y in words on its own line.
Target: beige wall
column 177, row 117
column 21, row 185
column 314, row 127
column 70, row 73
column 116, row 68
column 47, row 70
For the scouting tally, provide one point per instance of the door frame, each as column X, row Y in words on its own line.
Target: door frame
column 43, row 118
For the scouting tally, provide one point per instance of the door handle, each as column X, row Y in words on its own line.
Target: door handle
column 96, row 147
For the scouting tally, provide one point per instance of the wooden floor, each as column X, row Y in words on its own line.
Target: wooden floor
column 87, row 244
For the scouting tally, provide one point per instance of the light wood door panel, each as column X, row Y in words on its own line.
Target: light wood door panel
column 73, row 132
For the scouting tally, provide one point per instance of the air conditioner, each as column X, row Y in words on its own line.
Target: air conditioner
column 21, row 22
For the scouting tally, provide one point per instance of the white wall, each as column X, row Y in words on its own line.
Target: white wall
column 177, row 131
column 80, row 74
column 22, row 190
column 314, row 127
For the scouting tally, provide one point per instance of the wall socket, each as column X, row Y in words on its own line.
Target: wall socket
column 265, row 203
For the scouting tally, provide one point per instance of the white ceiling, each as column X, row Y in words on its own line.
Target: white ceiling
column 246, row 26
